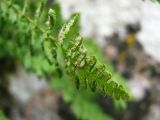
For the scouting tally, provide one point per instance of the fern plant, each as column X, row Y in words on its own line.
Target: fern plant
column 68, row 46
column 49, row 48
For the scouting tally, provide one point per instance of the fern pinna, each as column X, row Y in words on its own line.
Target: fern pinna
column 66, row 51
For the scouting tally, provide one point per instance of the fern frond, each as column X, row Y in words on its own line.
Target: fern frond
column 84, row 70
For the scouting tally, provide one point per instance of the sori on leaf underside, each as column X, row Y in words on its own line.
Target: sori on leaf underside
column 84, row 70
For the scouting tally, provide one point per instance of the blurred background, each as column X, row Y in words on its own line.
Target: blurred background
column 125, row 33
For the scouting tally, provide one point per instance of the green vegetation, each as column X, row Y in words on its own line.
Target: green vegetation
column 2, row 117
column 51, row 47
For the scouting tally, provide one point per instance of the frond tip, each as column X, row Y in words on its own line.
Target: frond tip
column 52, row 17
column 66, row 28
